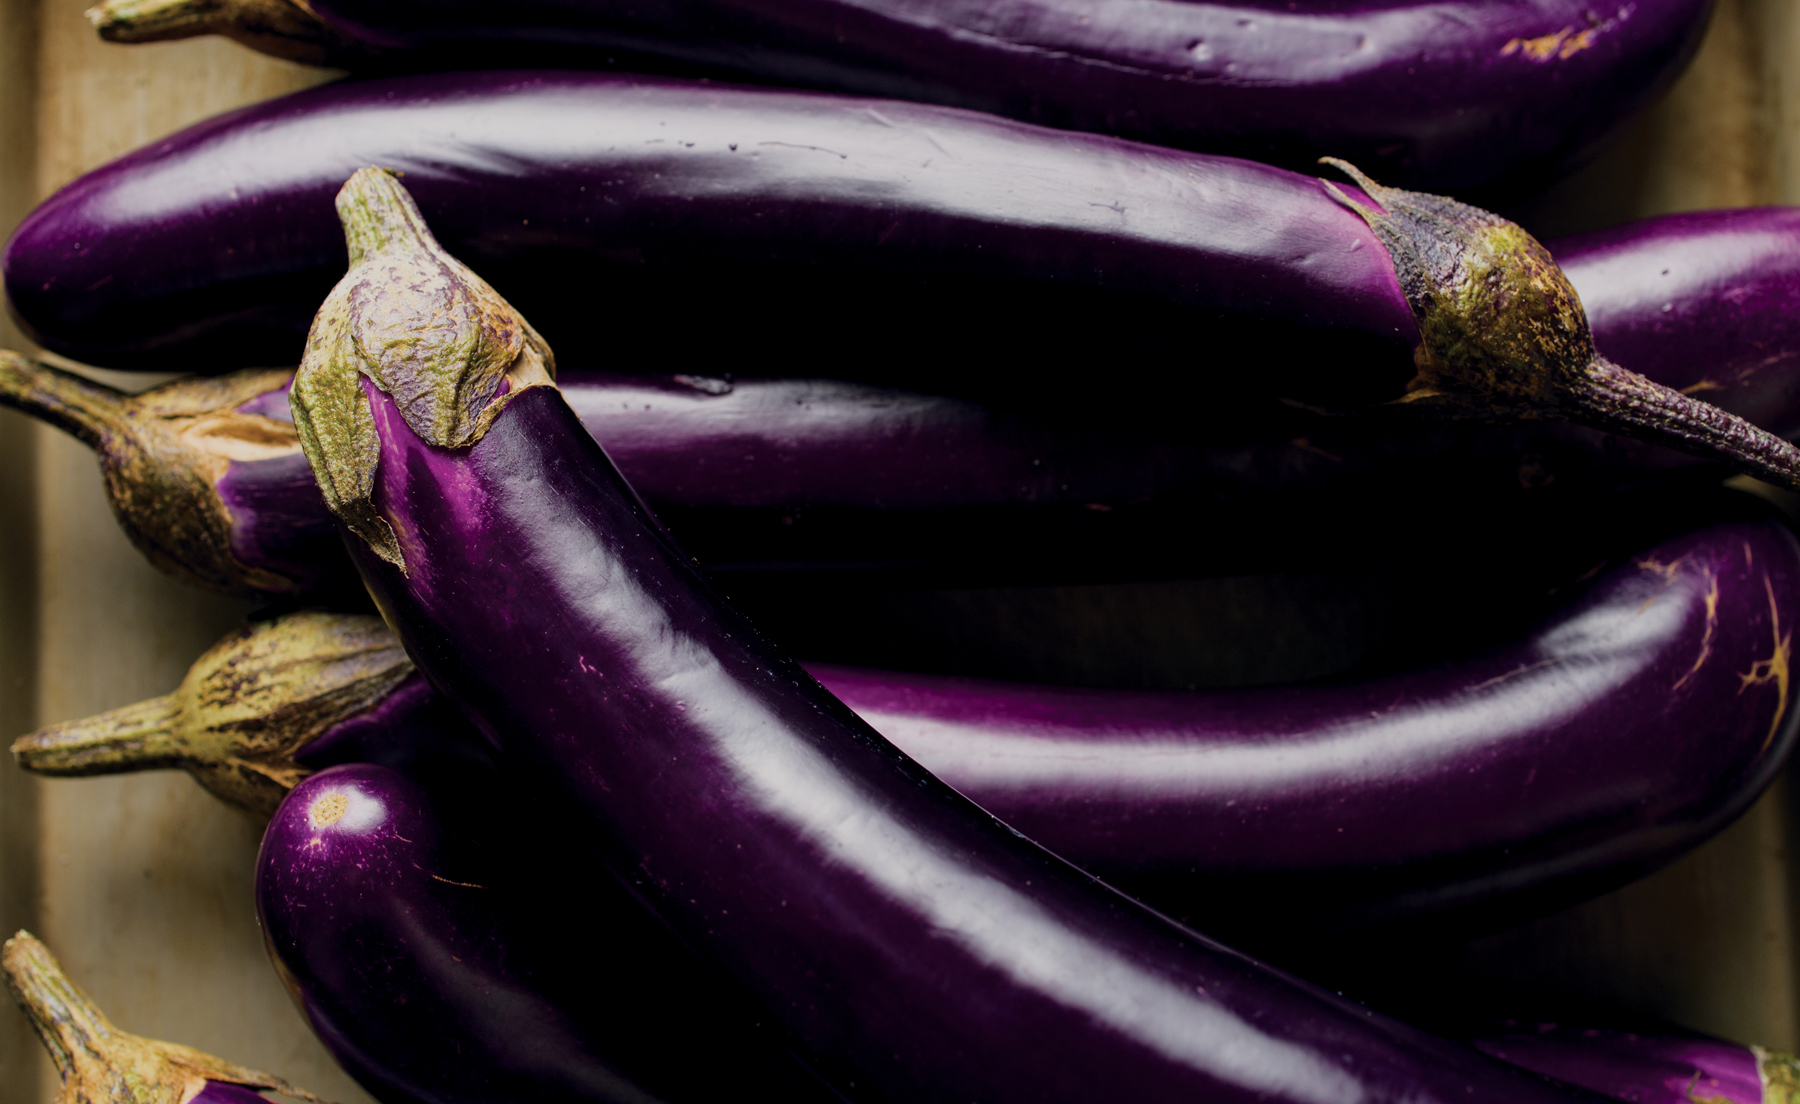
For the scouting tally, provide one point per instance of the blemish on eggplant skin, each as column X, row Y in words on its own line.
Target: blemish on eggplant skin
column 1774, row 669
column 327, row 810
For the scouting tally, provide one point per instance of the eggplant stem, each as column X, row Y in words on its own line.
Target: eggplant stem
column 1621, row 401
column 97, row 1061
column 1780, row 1076
column 137, row 737
column 280, row 28
column 88, row 411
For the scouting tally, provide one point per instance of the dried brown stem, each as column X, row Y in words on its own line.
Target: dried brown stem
column 279, row 28
column 97, row 1061
column 1611, row 398
column 162, row 453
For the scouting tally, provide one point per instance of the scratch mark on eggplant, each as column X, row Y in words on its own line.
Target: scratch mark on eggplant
column 1712, row 623
column 1775, row 668
column 798, row 146
column 1515, row 673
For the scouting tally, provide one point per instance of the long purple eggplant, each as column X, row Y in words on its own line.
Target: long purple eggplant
column 1657, row 1066
column 207, row 477
column 908, row 944
column 99, row 1064
column 753, row 209
column 1448, row 95
column 443, row 961
column 1492, row 788
column 395, row 936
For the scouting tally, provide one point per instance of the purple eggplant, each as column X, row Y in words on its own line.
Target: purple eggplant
column 1657, row 1066
column 746, row 207
column 438, row 969
column 99, row 1064
column 1190, row 799
column 1259, row 812
column 207, row 477
column 1449, row 95
column 909, row 945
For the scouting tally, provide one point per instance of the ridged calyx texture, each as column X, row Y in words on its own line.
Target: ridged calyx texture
column 1503, row 336
column 279, row 28
column 98, row 1063
column 422, row 327
column 243, row 711
column 1780, row 1073
column 162, row 453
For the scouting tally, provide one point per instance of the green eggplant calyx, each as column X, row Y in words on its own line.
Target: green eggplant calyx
column 1503, row 336
column 1780, row 1074
column 97, row 1061
column 162, row 454
column 245, row 709
column 420, row 326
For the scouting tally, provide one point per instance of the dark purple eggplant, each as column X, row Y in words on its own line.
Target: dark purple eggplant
column 441, row 971
column 910, row 946
column 1642, row 718
column 99, row 1064
column 1658, row 1066
column 784, row 206
column 1449, row 95
column 1190, row 799
column 207, row 477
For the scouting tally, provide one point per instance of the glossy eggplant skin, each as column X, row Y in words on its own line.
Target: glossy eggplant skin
column 441, row 969
column 1639, row 719
column 1233, row 810
column 825, row 475
column 913, row 947
column 1446, row 95
column 798, row 219
column 1659, row 1066
column 834, row 224
column 223, row 1092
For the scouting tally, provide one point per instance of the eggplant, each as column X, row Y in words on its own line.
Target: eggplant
column 393, row 934
column 907, row 944
column 436, row 966
column 207, row 477
column 1228, row 809
column 1656, row 1066
column 99, row 1064
column 213, row 246
column 1444, row 95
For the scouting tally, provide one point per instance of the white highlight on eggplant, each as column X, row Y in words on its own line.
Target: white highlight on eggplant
column 1582, row 663
column 361, row 811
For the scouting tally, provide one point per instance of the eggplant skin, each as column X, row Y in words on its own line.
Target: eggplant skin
column 223, row 1092
column 1648, row 1064
column 1450, row 95
column 802, row 223
column 911, row 946
column 1639, row 719
column 1233, row 811
column 834, row 224
column 444, row 956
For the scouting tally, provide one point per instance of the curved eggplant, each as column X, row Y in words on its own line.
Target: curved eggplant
column 1450, row 95
column 440, row 972
column 207, row 477
column 215, row 243
column 911, row 946
column 1660, row 1066
column 99, row 1064
column 1232, row 810
column 1492, row 787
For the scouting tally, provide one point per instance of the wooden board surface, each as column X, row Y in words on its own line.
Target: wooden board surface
column 142, row 884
